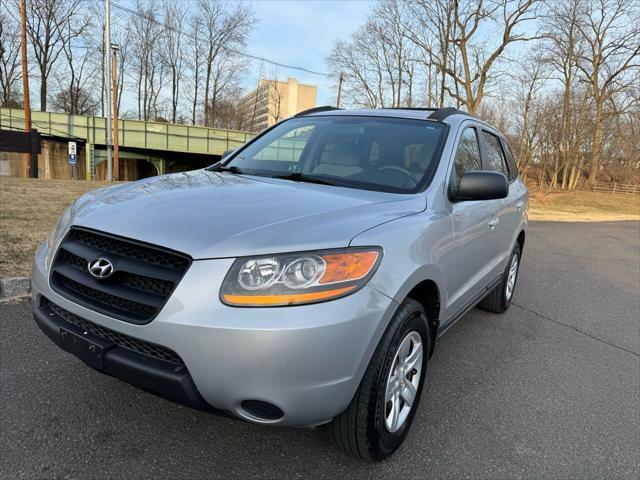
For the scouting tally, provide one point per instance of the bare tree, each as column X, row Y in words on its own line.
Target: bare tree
column 374, row 60
column 174, row 24
column 430, row 29
column 47, row 22
column 75, row 101
column 562, row 52
column 469, row 60
column 529, row 81
column 76, row 82
column 225, row 30
column 228, row 112
column 196, row 59
column 611, row 30
column 225, row 73
column 10, row 69
column 147, row 61
column 122, row 37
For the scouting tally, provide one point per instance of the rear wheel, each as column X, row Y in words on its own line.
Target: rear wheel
column 499, row 299
column 378, row 418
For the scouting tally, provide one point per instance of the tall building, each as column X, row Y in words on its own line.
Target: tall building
column 275, row 100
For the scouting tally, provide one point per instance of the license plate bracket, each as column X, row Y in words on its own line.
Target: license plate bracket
column 82, row 347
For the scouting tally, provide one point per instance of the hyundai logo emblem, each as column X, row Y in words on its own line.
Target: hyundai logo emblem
column 100, row 268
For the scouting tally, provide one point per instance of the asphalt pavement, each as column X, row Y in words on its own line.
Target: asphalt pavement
column 551, row 389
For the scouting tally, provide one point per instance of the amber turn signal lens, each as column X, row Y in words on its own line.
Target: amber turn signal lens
column 343, row 267
column 285, row 299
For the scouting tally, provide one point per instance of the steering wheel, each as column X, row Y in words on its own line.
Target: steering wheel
column 407, row 173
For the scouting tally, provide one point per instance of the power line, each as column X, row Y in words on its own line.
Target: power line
column 232, row 50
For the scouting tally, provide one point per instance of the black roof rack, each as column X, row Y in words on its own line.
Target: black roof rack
column 438, row 114
column 419, row 109
column 324, row 108
column 442, row 113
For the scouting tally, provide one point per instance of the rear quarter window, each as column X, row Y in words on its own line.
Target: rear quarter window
column 511, row 161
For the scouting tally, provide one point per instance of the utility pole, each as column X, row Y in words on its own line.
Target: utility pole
column 340, row 81
column 116, row 147
column 28, row 157
column 107, row 68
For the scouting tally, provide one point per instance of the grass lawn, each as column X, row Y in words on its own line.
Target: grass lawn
column 29, row 209
column 584, row 207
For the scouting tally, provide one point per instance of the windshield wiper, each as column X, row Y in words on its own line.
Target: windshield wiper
column 301, row 177
column 224, row 168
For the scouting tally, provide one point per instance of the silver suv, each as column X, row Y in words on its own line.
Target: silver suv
column 302, row 280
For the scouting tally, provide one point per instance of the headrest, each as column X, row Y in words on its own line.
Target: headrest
column 344, row 154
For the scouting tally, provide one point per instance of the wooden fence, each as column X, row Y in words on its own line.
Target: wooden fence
column 616, row 188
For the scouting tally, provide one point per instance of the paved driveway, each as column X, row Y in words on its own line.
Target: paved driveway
column 550, row 389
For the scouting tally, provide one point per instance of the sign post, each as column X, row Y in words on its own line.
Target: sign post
column 73, row 157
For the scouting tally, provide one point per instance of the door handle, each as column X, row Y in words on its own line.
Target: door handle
column 519, row 206
column 493, row 222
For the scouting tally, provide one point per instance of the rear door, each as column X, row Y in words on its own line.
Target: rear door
column 508, row 210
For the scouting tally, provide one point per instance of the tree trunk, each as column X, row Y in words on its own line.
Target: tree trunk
column 174, row 95
column 578, row 173
column 597, row 143
column 43, row 91
column 206, row 90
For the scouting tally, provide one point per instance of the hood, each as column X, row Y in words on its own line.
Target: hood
column 214, row 215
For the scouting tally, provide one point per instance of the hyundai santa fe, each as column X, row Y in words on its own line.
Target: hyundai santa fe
column 302, row 280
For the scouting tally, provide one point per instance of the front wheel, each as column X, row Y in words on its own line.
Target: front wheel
column 378, row 418
column 499, row 299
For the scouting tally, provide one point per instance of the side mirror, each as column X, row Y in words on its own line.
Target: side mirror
column 226, row 153
column 480, row 185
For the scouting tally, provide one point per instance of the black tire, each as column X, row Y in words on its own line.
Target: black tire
column 496, row 301
column 360, row 430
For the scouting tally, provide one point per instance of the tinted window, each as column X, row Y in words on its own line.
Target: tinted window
column 375, row 153
column 495, row 158
column 468, row 153
column 511, row 161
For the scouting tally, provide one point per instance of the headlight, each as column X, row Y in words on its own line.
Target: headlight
column 298, row 278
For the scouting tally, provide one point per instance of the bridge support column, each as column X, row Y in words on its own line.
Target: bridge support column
column 160, row 164
column 89, row 166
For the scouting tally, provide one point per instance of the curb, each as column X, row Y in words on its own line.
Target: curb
column 14, row 288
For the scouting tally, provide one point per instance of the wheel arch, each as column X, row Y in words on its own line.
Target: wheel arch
column 427, row 293
column 520, row 240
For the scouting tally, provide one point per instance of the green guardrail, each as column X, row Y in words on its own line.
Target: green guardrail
column 131, row 133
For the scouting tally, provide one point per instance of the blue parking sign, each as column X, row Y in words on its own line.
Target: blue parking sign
column 72, row 159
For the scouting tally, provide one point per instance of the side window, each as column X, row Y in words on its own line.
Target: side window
column 288, row 148
column 468, row 153
column 511, row 161
column 495, row 158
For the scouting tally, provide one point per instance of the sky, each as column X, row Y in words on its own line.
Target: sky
column 302, row 32
column 292, row 32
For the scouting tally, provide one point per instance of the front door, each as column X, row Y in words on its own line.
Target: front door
column 474, row 232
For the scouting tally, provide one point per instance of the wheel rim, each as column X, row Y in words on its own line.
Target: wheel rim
column 511, row 278
column 403, row 381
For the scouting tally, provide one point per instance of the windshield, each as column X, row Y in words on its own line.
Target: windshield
column 373, row 153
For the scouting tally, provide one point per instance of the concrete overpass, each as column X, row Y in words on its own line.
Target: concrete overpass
column 151, row 141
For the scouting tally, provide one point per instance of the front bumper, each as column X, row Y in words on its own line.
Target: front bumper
column 306, row 360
